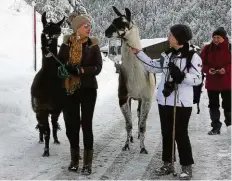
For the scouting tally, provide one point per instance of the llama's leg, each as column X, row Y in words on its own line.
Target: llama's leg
column 126, row 111
column 40, row 136
column 42, row 118
column 144, row 110
column 46, row 136
column 38, row 126
column 138, row 114
column 125, row 105
column 131, row 137
column 55, row 125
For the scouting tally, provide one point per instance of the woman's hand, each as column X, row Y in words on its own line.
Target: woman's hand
column 221, row 71
column 82, row 70
column 135, row 50
column 74, row 69
column 212, row 71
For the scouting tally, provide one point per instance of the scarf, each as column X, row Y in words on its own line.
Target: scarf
column 75, row 56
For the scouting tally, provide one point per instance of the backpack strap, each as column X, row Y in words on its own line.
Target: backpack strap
column 196, row 89
column 189, row 59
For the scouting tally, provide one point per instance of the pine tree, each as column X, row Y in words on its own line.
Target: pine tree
column 153, row 17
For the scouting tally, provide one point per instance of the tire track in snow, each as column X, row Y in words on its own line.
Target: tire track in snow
column 136, row 168
column 131, row 164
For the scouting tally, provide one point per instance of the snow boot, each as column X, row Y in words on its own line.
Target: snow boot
column 186, row 173
column 74, row 159
column 214, row 131
column 87, row 162
column 165, row 169
column 216, row 124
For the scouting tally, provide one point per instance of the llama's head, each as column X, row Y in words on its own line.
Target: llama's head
column 120, row 25
column 49, row 37
column 51, row 30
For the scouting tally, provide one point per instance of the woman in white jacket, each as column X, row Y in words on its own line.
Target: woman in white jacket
column 176, row 68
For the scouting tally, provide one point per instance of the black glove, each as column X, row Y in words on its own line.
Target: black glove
column 175, row 73
column 73, row 69
column 168, row 88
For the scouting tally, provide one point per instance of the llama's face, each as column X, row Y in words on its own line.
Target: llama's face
column 120, row 25
column 50, row 29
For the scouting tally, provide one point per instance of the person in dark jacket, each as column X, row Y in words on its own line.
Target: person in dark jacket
column 217, row 66
column 82, row 57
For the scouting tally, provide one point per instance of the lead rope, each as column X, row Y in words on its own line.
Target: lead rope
column 62, row 71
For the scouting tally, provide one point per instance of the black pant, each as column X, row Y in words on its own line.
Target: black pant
column 214, row 105
column 79, row 109
column 181, row 133
column 214, row 100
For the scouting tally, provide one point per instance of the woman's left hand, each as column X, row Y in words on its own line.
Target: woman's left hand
column 135, row 50
column 222, row 71
column 82, row 70
column 175, row 73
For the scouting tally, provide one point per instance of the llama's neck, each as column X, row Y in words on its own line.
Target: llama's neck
column 131, row 66
column 52, row 47
column 48, row 62
column 137, row 81
column 132, row 38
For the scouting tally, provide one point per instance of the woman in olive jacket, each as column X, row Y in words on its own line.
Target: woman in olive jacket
column 83, row 61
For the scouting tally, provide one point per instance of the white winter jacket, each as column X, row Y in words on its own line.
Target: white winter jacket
column 193, row 77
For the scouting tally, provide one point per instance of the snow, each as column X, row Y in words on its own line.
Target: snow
column 104, row 48
column 144, row 43
column 21, row 155
column 148, row 42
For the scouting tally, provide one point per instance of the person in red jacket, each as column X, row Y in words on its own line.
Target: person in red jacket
column 217, row 66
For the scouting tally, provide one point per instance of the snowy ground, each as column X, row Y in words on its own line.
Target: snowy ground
column 20, row 153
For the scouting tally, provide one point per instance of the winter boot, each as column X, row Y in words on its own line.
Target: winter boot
column 74, row 159
column 216, row 124
column 214, row 131
column 87, row 162
column 186, row 173
column 165, row 169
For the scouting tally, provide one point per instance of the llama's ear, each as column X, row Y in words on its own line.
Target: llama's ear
column 128, row 14
column 43, row 19
column 116, row 11
column 60, row 22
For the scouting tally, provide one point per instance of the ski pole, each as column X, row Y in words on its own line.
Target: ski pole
column 173, row 131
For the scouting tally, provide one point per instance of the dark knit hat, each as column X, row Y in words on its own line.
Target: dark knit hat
column 182, row 33
column 220, row 32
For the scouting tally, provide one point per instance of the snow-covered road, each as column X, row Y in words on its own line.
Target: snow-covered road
column 20, row 153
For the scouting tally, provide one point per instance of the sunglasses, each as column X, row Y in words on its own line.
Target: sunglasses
column 86, row 25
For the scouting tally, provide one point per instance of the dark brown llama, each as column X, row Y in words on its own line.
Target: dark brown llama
column 47, row 94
